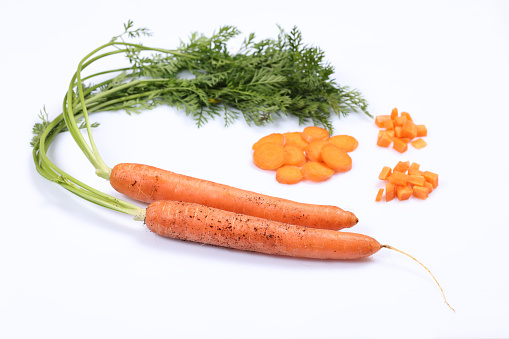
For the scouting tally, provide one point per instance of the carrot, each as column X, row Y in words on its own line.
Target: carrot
column 314, row 150
column 421, row 131
column 409, row 129
column 406, row 115
column 381, row 119
column 379, row 194
column 336, row 158
column 345, row 142
column 389, row 124
column 269, row 156
column 316, row 171
column 390, row 191
column 289, row 174
column 384, row 139
column 404, row 192
column 419, row 143
column 295, row 139
column 431, row 177
column 399, row 145
column 385, row 173
column 402, row 166
column 313, row 133
column 420, row 192
column 274, row 138
column 403, row 130
column 149, row 184
column 417, row 180
column 294, row 156
column 394, row 113
column 399, row 178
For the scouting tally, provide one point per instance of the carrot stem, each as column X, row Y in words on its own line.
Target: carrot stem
column 436, row 281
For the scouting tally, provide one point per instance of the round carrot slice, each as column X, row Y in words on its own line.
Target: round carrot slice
column 345, row 142
column 294, row 156
column 312, row 133
column 316, row 171
column 336, row 158
column 269, row 156
column 314, row 150
column 289, row 174
column 274, row 138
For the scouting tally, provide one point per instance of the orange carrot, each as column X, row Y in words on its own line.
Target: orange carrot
column 295, row 139
column 336, row 158
column 149, row 184
column 417, row 180
column 316, row 171
column 390, row 191
column 409, row 129
column 385, row 173
column 381, row 119
column 406, row 115
column 431, row 177
column 313, row 133
column 400, row 121
column 404, row 192
column 345, row 142
column 421, row 131
column 414, row 166
column 314, row 150
column 289, row 174
column 420, row 192
column 379, row 195
column 402, row 166
column 294, row 156
column 269, row 156
column 399, row 145
column 399, row 178
column 389, row 124
column 394, row 113
column 419, row 143
column 384, row 140
column 274, row 138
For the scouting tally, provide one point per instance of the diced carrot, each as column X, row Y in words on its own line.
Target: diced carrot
column 384, row 140
column 289, row 174
column 431, row 177
column 421, row 131
column 409, row 130
column 294, row 156
column 404, row 192
column 414, row 165
column 381, row 119
column 399, row 178
column 295, row 139
column 417, row 180
column 420, row 192
column 389, row 125
column 385, row 173
column 419, row 143
column 429, row 186
column 402, row 166
column 274, row 138
column 390, row 133
column 413, row 171
column 407, row 115
column 399, row 145
column 314, row 150
column 394, row 113
column 313, row 133
column 390, row 191
column 397, row 131
column 379, row 195
column 405, row 140
column 399, row 121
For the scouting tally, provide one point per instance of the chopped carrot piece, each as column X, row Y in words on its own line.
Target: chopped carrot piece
column 413, row 171
column 274, row 138
column 429, row 186
column 421, row 131
column 407, row 115
column 399, row 145
column 404, row 192
column 431, row 177
column 314, row 150
column 405, row 140
column 409, row 129
column 400, row 121
column 313, row 133
column 397, row 131
column 389, row 125
column 398, row 178
column 402, row 166
column 289, row 174
column 345, row 142
column 414, row 165
column 390, row 191
column 385, row 173
column 384, row 140
column 294, row 156
column 417, row 180
column 394, row 113
column 420, row 192
column 316, row 171
column 269, row 156
column 336, row 158
column 390, row 133
column 381, row 119
column 419, row 143
column 379, row 195
column 295, row 139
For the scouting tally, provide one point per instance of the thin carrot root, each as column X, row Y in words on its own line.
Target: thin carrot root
column 436, row 281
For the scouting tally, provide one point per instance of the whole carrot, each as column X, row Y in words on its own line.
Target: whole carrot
column 149, row 184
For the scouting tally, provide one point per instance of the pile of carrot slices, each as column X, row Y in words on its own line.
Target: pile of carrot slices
column 311, row 154
column 406, row 180
column 400, row 130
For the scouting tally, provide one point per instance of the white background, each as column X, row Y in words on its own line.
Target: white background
column 70, row 269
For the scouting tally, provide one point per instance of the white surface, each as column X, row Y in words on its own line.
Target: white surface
column 70, row 269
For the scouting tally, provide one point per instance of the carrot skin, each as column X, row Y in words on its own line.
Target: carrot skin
column 206, row 225
column 149, row 184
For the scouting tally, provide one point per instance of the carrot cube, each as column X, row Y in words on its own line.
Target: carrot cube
column 406, row 115
column 397, row 131
column 399, row 121
column 402, row 166
column 390, row 191
column 381, row 119
column 399, row 145
column 389, row 125
column 394, row 113
column 417, row 180
column 404, row 192
column 399, row 178
column 379, row 195
column 431, row 177
column 421, row 131
column 420, row 192
column 409, row 130
column 419, row 143
column 384, row 140
column 429, row 186
column 385, row 173
column 413, row 171
column 414, row 165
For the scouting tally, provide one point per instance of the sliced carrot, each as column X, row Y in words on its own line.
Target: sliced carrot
column 294, row 156
column 295, row 139
column 390, row 191
column 314, row 150
column 336, row 158
column 385, row 173
column 419, row 143
column 269, row 156
column 316, row 171
column 274, row 138
column 345, row 142
column 409, row 129
column 313, row 133
column 379, row 195
column 421, row 131
column 289, row 174
column 381, row 119
column 402, row 166
column 420, row 192
column 417, row 180
column 384, row 140
column 407, row 115
column 399, row 145
column 431, row 177
column 399, row 178
column 394, row 113
column 404, row 192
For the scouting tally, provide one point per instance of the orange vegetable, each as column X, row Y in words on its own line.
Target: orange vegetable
column 313, row 133
column 409, row 130
column 420, row 192
column 406, row 115
column 381, row 119
column 289, row 174
column 295, row 139
column 274, row 138
column 429, row 186
column 385, row 173
column 390, row 191
column 345, row 142
column 389, row 125
column 269, row 156
column 316, row 171
column 294, row 156
column 336, row 158
column 400, row 130
column 314, row 150
column 419, row 143
column 421, row 131
column 384, row 140
column 379, row 194
column 414, row 166
column 149, row 184
column 404, row 192
column 431, row 177
column 394, row 113
column 417, row 180
column 402, row 166
column 399, row 145
column 399, row 178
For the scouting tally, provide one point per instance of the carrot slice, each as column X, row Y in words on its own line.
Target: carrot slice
column 269, row 156
column 404, row 192
column 295, row 139
column 379, row 195
column 390, row 191
column 407, row 115
column 313, row 133
column 316, row 171
column 289, row 175
column 336, row 158
column 399, row 145
column 419, row 143
column 421, row 131
column 385, row 173
column 274, row 138
column 345, row 142
column 314, row 150
column 294, row 156
column 420, row 192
